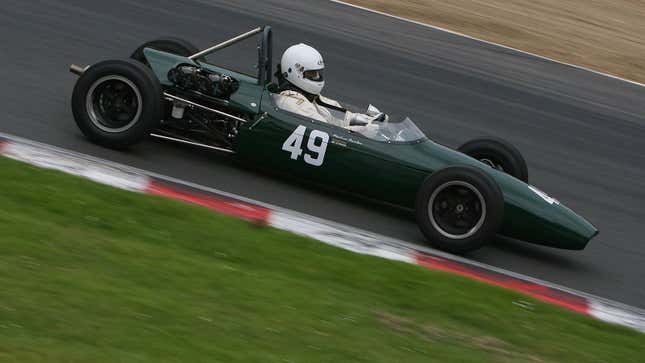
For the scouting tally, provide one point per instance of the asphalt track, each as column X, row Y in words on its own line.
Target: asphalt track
column 583, row 134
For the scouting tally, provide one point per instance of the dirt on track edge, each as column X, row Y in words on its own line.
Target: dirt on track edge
column 603, row 35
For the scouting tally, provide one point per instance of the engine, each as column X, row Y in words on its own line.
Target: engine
column 201, row 124
column 192, row 78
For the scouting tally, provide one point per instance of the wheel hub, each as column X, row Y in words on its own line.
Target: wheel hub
column 113, row 103
column 457, row 209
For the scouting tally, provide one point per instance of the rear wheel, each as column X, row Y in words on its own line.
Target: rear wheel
column 459, row 209
column 170, row 45
column 116, row 103
column 498, row 154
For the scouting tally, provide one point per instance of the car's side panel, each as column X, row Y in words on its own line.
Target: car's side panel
column 350, row 161
column 284, row 142
column 372, row 173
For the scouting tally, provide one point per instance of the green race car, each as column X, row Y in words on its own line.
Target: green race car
column 461, row 198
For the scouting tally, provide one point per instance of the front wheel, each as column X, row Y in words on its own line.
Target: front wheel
column 116, row 103
column 459, row 208
column 498, row 154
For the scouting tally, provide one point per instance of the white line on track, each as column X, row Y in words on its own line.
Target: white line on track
column 487, row 42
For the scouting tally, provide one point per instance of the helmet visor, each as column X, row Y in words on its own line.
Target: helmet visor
column 313, row 75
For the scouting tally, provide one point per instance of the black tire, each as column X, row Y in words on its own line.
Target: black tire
column 499, row 154
column 459, row 208
column 117, row 103
column 170, row 45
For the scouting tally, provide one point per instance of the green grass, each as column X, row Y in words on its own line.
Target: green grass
column 89, row 273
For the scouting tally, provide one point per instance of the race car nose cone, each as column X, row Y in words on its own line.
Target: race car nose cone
column 576, row 232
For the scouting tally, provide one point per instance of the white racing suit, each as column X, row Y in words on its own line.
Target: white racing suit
column 296, row 102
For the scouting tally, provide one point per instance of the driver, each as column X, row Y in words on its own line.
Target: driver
column 301, row 81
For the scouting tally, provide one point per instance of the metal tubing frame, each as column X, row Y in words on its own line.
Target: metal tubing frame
column 225, row 44
column 210, row 147
column 175, row 98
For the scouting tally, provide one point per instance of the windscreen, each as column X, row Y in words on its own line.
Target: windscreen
column 404, row 131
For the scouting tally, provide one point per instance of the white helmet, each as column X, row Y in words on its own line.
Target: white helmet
column 302, row 66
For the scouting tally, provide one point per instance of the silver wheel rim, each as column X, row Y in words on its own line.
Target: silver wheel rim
column 434, row 198
column 97, row 118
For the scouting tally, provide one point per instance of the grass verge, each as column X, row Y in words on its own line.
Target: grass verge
column 89, row 273
column 603, row 35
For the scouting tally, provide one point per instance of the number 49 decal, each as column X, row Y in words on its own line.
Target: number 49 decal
column 316, row 145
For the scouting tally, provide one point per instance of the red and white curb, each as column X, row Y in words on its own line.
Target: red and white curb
column 339, row 235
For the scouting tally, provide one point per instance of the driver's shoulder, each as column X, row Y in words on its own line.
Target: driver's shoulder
column 293, row 96
column 329, row 101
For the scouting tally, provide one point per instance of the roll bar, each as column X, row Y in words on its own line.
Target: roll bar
column 265, row 51
column 266, row 56
column 222, row 45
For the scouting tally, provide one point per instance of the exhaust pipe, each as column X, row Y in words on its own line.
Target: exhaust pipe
column 76, row 69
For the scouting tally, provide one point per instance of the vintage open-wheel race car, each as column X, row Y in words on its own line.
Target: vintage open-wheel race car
column 461, row 198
